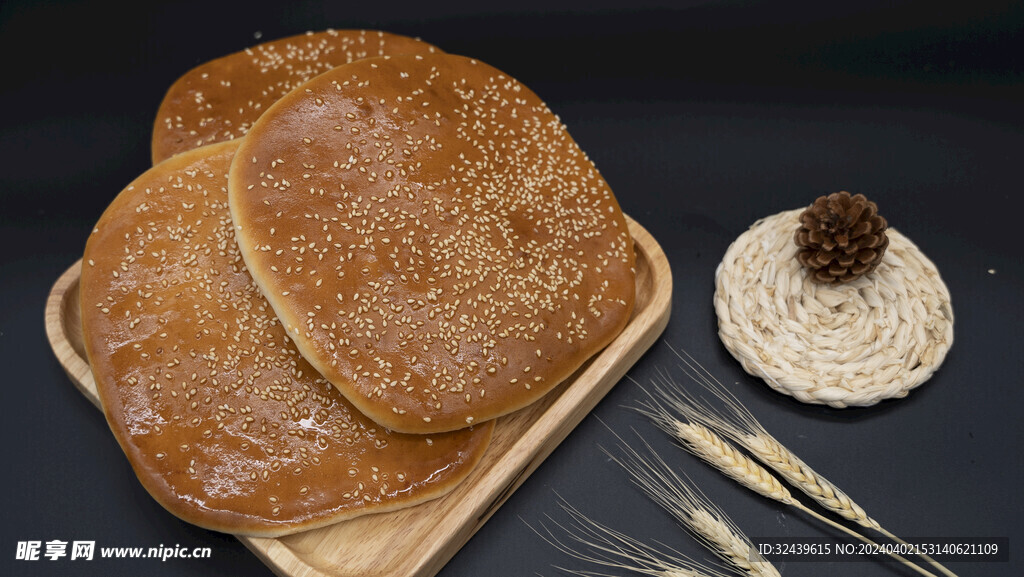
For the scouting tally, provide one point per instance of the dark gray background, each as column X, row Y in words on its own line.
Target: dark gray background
column 703, row 117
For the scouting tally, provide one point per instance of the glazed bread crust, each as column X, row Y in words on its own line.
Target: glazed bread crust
column 220, row 99
column 433, row 240
column 225, row 424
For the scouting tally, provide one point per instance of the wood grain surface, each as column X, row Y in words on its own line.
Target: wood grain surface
column 418, row 541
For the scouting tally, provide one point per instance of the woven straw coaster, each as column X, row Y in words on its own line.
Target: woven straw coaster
column 851, row 344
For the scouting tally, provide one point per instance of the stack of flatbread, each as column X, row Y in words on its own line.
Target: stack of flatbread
column 353, row 253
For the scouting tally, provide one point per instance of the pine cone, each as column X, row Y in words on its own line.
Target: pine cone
column 841, row 237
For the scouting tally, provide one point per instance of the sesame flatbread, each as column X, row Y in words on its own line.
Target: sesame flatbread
column 433, row 240
column 225, row 424
column 220, row 99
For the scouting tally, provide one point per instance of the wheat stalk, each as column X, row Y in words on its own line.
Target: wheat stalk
column 695, row 512
column 595, row 543
column 711, row 448
column 735, row 422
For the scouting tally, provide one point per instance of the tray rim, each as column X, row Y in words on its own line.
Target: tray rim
column 571, row 403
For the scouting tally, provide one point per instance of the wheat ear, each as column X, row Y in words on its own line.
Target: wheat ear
column 775, row 455
column 595, row 543
column 719, row 453
column 737, row 423
column 694, row 511
column 704, row 443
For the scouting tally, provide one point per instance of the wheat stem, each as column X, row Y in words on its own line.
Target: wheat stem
column 859, row 537
column 720, row 454
column 942, row 569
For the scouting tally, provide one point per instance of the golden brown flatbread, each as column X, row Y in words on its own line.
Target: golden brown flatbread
column 434, row 241
column 223, row 421
column 219, row 100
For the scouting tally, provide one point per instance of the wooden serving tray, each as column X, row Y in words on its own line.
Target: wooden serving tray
column 418, row 541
